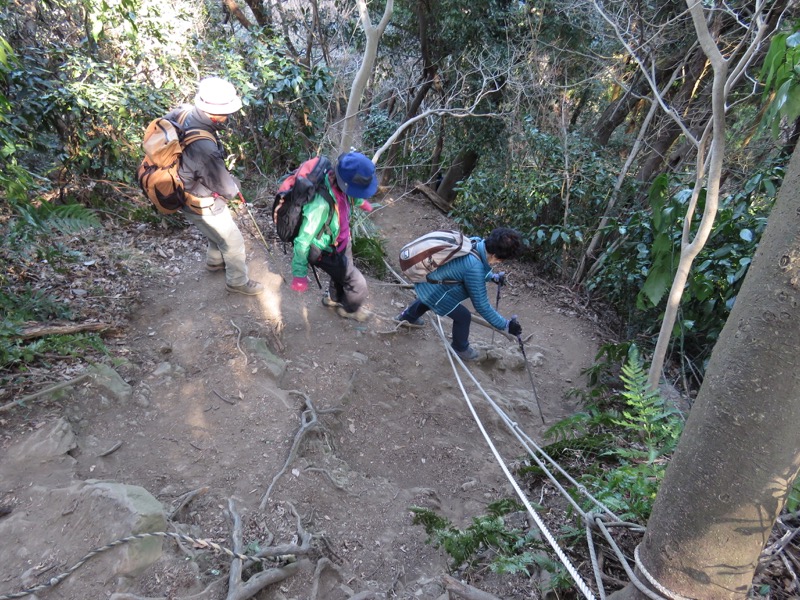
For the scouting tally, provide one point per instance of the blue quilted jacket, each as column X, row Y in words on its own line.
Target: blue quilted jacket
column 471, row 274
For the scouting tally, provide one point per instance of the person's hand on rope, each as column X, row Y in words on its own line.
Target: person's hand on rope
column 300, row 284
column 499, row 278
column 514, row 328
column 366, row 206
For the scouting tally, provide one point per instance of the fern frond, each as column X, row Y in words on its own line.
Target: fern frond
column 46, row 217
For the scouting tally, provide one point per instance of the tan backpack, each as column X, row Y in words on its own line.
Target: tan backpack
column 163, row 144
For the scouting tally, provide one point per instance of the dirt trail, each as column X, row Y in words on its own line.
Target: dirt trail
column 207, row 412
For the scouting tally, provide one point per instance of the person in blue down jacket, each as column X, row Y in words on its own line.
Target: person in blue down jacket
column 462, row 278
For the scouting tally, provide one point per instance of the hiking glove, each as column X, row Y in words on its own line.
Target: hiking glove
column 514, row 328
column 300, row 284
column 499, row 278
column 366, row 206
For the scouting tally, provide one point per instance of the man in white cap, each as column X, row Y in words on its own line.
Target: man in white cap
column 209, row 185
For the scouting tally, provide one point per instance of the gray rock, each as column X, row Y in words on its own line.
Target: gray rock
column 108, row 380
column 258, row 349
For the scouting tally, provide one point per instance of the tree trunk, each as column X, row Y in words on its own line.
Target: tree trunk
column 740, row 450
column 690, row 96
column 458, row 171
column 373, row 34
column 263, row 18
column 426, row 83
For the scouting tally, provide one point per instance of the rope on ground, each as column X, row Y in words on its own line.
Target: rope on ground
column 590, row 519
column 198, row 543
column 582, row 586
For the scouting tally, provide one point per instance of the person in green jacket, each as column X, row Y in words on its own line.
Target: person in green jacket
column 324, row 238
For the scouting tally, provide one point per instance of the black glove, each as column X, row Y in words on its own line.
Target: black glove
column 514, row 328
column 499, row 278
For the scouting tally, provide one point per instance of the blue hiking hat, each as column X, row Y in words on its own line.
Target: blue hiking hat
column 355, row 174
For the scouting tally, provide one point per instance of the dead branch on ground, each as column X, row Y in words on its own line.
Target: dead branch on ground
column 44, row 392
column 29, row 332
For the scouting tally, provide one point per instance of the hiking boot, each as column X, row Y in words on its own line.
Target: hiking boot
column 326, row 300
column 467, row 354
column 214, row 267
column 360, row 315
column 251, row 288
column 408, row 322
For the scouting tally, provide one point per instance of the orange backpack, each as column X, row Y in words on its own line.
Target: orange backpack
column 163, row 144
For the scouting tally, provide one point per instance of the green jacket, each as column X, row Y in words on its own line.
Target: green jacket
column 314, row 232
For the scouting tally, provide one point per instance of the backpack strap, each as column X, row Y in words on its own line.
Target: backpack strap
column 323, row 191
column 193, row 134
column 428, row 279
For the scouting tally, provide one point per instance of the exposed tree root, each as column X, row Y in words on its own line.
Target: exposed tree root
column 462, row 590
column 309, row 421
column 183, row 500
column 241, row 590
column 323, row 564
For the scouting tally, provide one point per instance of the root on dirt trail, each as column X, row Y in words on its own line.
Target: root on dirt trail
column 462, row 590
column 309, row 421
column 241, row 590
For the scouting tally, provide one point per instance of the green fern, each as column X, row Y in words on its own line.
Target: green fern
column 371, row 252
column 645, row 414
column 487, row 532
column 46, row 217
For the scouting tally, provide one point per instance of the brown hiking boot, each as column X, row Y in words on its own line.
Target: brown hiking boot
column 251, row 288
column 326, row 300
column 214, row 267
column 360, row 315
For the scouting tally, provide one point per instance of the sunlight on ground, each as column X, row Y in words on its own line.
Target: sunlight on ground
column 270, row 299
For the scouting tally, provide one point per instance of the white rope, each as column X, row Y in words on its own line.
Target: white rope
column 584, row 588
column 652, row 580
column 624, row 562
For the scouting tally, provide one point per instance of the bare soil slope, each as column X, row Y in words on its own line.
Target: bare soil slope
column 210, row 414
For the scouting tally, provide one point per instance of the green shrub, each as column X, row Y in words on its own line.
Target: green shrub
column 641, row 432
column 527, row 193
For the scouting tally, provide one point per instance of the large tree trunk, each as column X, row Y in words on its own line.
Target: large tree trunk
column 740, row 450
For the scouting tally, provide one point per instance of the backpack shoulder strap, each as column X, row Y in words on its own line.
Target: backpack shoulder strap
column 192, row 135
column 323, row 191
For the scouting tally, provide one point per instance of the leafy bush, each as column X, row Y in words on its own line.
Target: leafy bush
column 638, row 269
column 528, row 194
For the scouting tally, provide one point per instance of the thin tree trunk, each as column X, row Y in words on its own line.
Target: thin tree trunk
column 726, row 75
column 373, row 35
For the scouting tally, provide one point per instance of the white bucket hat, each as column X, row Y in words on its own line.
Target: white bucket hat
column 216, row 96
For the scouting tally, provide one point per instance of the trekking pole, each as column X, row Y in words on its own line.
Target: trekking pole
column 258, row 229
column 530, row 375
column 500, row 283
column 314, row 270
